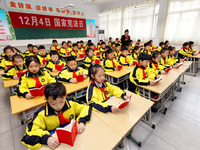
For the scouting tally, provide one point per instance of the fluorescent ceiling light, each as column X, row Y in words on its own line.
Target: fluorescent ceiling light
column 105, row 13
column 68, row 6
column 137, row 7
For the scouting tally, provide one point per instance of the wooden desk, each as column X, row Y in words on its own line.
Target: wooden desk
column 54, row 73
column 117, row 74
column 97, row 136
column 194, row 68
column 10, row 83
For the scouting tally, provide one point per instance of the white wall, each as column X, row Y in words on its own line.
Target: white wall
column 90, row 10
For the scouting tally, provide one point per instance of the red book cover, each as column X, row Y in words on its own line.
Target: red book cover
column 19, row 74
column 82, row 55
column 97, row 61
column 37, row 91
column 180, row 64
column 59, row 67
column 98, row 54
column 122, row 105
column 44, row 61
column 157, row 80
column 168, row 69
column 84, row 51
column 67, row 136
column 79, row 78
column 119, row 67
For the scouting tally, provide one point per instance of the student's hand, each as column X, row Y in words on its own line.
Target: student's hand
column 175, row 67
column 5, row 68
column 29, row 96
column 84, row 76
column 152, row 83
column 81, row 127
column 73, row 81
column 130, row 64
column 157, row 76
column 15, row 77
column 195, row 54
column 114, row 109
column 52, row 142
column 116, row 69
column 93, row 62
column 54, row 70
column 163, row 72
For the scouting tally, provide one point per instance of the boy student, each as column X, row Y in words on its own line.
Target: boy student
column 103, row 56
column 19, row 66
column 117, row 41
column 82, row 44
column 30, row 50
column 42, row 54
column 161, row 45
column 164, row 59
column 146, row 48
column 55, row 46
column 69, row 46
column 110, row 41
column 7, row 60
column 75, row 52
column 138, row 42
column 184, row 52
column 102, row 47
column 99, row 44
column 191, row 44
column 140, row 73
column 69, row 73
column 51, row 64
column 57, row 111
column 63, row 52
column 79, row 47
column 123, row 59
column 117, row 50
column 166, row 44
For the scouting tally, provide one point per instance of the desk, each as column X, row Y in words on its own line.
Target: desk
column 54, row 73
column 194, row 68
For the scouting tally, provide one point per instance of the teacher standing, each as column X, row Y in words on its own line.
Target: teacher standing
column 125, row 38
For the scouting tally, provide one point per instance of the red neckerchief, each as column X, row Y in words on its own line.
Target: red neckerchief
column 185, row 49
column 102, row 89
column 38, row 84
column 164, row 60
column 156, row 65
column 75, row 53
column 137, row 43
column 112, row 61
column 44, row 58
column 92, row 60
column 63, row 120
column 125, row 59
column 74, row 74
column 143, row 69
column 56, row 48
column 65, row 49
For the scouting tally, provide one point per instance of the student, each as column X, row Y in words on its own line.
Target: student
column 33, row 78
column 161, row 45
column 30, row 50
column 69, row 73
column 117, row 50
column 135, row 53
column 185, row 52
column 151, row 45
column 112, row 46
column 167, row 44
column 69, row 46
column 99, row 44
column 154, row 65
column 80, row 48
column 75, row 53
column 164, row 56
column 19, row 66
column 90, row 58
column 110, row 41
column 51, row 64
column 103, row 56
column 123, row 59
column 191, row 44
column 7, row 60
column 138, row 42
column 171, row 58
column 99, row 91
column 110, row 64
column 63, row 52
column 129, row 45
column 146, row 48
column 16, row 51
column 56, row 112
column 35, row 50
column 102, row 48
column 42, row 55
column 82, row 44
column 139, row 74
column 117, row 41
column 55, row 46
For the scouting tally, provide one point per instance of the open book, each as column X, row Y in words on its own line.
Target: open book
column 59, row 67
column 37, row 91
column 180, row 64
column 122, row 105
column 119, row 67
column 157, row 80
column 184, row 59
column 168, row 69
column 19, row 74
column 198, row 52
column 67, row 135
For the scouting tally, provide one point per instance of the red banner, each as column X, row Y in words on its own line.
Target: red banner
column 27, row 20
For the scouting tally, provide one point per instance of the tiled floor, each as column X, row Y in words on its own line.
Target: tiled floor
column 179, row 129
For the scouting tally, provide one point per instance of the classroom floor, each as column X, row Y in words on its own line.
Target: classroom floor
column 177, row 130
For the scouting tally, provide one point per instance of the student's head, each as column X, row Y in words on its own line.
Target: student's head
column 54, row 42
column 172, row 50
column 164, row 52
column 146, row 46
column 30, row 47
column 117, row 47
column 89, row 41
column 155, row 56
column 150, row 42
column 64, row 44
column 71, row 62
column 166, row 43
column 15, row 50
column 100, row 41
column 33, row 64
column 126, row 32
column 131, row 42
column 96, row 72
column 113, row 44
column 124, row 51
column 55, row 94
column 42, row 50
column 54, row 56
column 75, row 47
column 191, row 44
column 109, row 54
column 162, row 44
column 117, row 40
column 91, row 45
column 35, row 49
column 106, row 48
column 138, row 41
column 186, row 45
column 143, row 59
column 69, row 43
column 110, row 39
column 136, row 50
column 103, row 44
column 18, row 60
column 8, row 51
column 79, row 44
column 89, row 52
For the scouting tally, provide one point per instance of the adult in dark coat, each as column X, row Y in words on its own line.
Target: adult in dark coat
column 125, row 38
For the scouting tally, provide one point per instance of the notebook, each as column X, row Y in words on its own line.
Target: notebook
column 37, row 91
column 157, row 80
column 122, row 105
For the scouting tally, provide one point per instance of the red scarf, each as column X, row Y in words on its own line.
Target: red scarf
column 113, row 63
column 56, row 48
column 38, row 84
column 144, row 74
column 185, row 49
column 125, row 59
column 63, row 120
column 74, row 74
column 75, row 53
column 164, row 61
column 92, row 60
column 102, row 89
column 137, row 44
column 156, row 65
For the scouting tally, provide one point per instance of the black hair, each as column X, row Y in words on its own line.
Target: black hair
column 41, row 47
column 107, row 47
column 35, row 46
column 185, row 44
column 166, row 41
column 29, row 59
column 75, row 44
column 138, row 40
column 116, row 39
column 63, row 42
column 110, row 38
column 81, row 41
column 126, row 30
column 103, row 43
column 88, row 50
column 108, row 51
column 101, row 40
column 124, row 49
column 78, row 42
column 155, row 54
column 93, row 70
column 71, row 58
column 163, row 50
column 17, row 56
column 53, row 53
column 144, row 56
column 89, row 41
column 16, row 49
column 8, row 47
column 161, row 43
column 113, row 43
column 55, row 90
column 190, row 43
column 68, row 42
column 135, row 48
column 54, row 41
column 29, row 45
column 146, row 44
column 90, row 44
column 171, row 48
column 117, row 45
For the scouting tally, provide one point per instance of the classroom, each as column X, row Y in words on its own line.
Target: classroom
column 99, row 74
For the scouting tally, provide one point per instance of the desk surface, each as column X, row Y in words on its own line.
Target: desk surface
column 117, row 74
column 198, row 56
column 123, row 121
column 97, row 136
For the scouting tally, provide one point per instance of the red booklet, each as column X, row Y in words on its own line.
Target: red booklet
column 82, row 55
column 180, row 64
column 115, row 57
column 119, row 67
column 79, row 78
column 59, row 67
column 44, row 61
column 67, row 136
column 198, row 52
column 168, row 69
column 134, row 63
column 122, row 105
column 19, row 74
column 37, row 91
column 184, row 59
column 157, row 80
column 97, row 61
column 84, row 51
column 98, row 54
column 8, row 66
